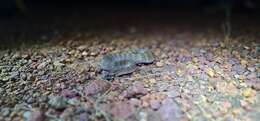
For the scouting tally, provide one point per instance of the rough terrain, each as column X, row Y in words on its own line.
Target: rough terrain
column 199, row 74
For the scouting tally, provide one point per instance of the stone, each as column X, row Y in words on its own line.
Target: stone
column 96, row 86
column 5, row 112
column 239, row 69
column 58, row 102
column 14, row 76
column 210, row 72
column 74, row 102
column 155, row 104
column 170, row 110
column 42, row 65
column 37, row 116
column 248, row 93
column 27, row 115
column 136, row 89
column 159, row 64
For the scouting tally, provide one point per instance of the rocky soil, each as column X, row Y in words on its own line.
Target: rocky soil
column 197, row 76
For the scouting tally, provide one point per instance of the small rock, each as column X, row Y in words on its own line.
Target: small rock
column 14, row 76
column 84, row 117
column 149, row 115
column 238, row 69
column 248, row 93
column 67, row 115
column 135, row 102
column 42, row 65
column 136, row 89
column 225, row 106
column 82, row 47
column 74, row 102
column 58, row 102
column 170, row 110
column 173, row 92
column 251, row 76
column 23, row 76
column 210, row 72
column 251, row 69
column 236, row 76
column 5, row 112
column 243, row 62
column 37, row 116
column 58, row 65
column 209, row 56
column 183, row 59
column 121, row 110
column 27, row 115
column 159, row 64
column 152, row 81
column 233, row 61
column 143, row 116
column 255, row 84
column 84, row 53
column 155, row 104
column 68, row 93
column 96, row 86
column 203, row 77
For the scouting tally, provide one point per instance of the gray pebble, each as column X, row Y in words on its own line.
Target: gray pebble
column 23, row 76
column 58, row 102
column 26, row 115
column 251, row 76
column 233, row 61
column 5, row 112
column 14, row 76
column 42, row 65
column 239, row 69
column 252, row 69
column 73, row 101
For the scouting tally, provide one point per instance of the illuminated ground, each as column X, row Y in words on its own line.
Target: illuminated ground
column 200, row 72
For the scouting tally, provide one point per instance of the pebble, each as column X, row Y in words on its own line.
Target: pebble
column 14, row 76
column 251, row 69
column 152, row 81
column 37, row 116
column 247, row 92
column 27, row 115
column 135, row 102
column 136, row 89
column 255, row 84
column 159, row 64
column 209, row 56
column 251, row 76
column 96, row 86
column 170, row 110
column 5, row 112
column 42, row 65
column 210, row 72
column 238, row 69
column 172, row 93
column 155, row 104
column 58, row 65
column 74, row 102
column 233, row 61
column 58, row 102
column 23, row 76
column 121, row 110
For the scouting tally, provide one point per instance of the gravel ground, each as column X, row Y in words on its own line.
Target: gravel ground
column 196, row 76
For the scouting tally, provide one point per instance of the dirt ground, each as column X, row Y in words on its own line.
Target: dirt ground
column 201, row 72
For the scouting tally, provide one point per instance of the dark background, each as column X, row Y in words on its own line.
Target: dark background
column 30, row 22
column 9, row 8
